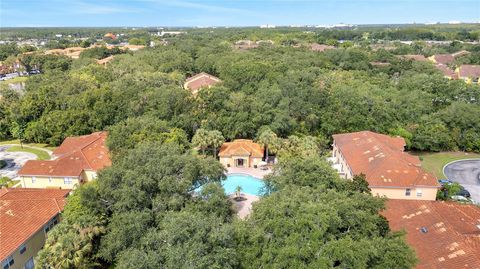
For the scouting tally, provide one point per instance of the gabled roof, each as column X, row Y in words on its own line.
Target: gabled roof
column 23, row 212
column 469, row 71
column 415, row 57
column 460, row 53
column 444, row 58
column 446, row 71
column 241, row 147
column 200, row 80
column 320, row 47
column 76, row 154
column 106, row 60
column 451, row 238
column 382, row 159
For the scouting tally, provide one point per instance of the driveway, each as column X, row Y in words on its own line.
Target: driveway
column 467, row 173
column 15, row 160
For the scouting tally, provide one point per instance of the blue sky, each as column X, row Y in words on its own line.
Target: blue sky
column 231, row 12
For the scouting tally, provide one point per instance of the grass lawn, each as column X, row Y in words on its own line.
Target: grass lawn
column 41, row 155
column 434, row 162
column 14, row 80
column 38, row 145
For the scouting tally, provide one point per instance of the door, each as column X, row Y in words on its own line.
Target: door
column 240, row 162
column 29, row 264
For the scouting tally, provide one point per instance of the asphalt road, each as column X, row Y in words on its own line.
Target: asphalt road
column 467, row 173
column 15, row 160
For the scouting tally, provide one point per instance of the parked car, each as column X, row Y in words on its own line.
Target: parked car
column 463, row 192
column 34, row 72
column 461, row 199
column 444, row 182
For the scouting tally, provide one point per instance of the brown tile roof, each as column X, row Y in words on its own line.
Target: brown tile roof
column 452, row 239
column 460, row 53
column 446, row 71
column 241, row 147
column 415, row 57
column 444, row 58
column 76, row 154
column 199, row 81
column 469, row 71
column 23, row 212
column 106, row 60
column 320, row 47
column 382, row 159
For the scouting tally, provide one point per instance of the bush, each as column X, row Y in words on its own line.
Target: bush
column 2, row 164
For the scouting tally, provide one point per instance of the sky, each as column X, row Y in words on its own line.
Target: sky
column 50, row 13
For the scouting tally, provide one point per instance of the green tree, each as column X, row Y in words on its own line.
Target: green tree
column 201, row 139
column 266, row 137
column 216, row 139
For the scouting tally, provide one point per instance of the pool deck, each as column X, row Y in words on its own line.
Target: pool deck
column 256, row 172
column 243, row 208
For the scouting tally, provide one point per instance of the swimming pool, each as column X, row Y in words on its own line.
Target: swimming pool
column 250, row 185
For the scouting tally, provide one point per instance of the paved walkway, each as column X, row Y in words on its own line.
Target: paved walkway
column 15, row 160
column 467, row 174
column 243, row 208
column 256, row 172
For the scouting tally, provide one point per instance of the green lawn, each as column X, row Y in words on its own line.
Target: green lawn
column 14, row 80
column 41, row 155
column 434, row 162
column 38, row 145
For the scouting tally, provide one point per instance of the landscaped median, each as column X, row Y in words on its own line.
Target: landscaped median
column 434, row 162
column 41, row 154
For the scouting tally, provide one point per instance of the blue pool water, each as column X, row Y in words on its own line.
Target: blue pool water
column 249, row 184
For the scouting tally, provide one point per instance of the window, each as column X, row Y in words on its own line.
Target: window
column 29, row 264
column 50, row 224
column 419, row 192
column 8, row 262
column 407, row 192
column 23, row 248
column 34, row 179
column 67, row 180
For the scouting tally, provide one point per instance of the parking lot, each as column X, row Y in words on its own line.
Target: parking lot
column 467, row 174
column 15, row 160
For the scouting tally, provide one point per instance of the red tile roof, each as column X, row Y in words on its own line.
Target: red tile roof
column 460, row 53
column 76, row 154
column 382, row 159
column 23, row 212
column 444, row 58
column 446, row 71
column 320, row 47
column 199, row 81
column 241, row 147
column 469, row 71
column 452, row 239
column 414, row 57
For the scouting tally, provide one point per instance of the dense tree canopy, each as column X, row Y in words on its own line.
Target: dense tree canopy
column 160, row 204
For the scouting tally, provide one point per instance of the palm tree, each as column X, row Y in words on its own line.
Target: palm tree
column 309, row 145
column 238, row 191
column 266, row 138
column 216, row 139
column 201, row 139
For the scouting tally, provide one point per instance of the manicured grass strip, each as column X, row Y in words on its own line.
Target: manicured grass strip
column 14, row 80
column 41, row 155
column 38, row 145
column 434, row 162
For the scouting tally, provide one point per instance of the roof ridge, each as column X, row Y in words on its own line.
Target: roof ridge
column 93, row 141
